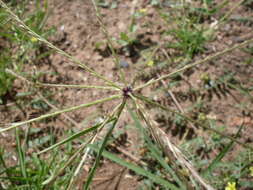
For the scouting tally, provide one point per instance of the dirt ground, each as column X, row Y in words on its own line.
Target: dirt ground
column 78, row 32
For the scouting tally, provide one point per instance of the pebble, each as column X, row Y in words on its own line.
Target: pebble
column 62, row 28
column 123, row 64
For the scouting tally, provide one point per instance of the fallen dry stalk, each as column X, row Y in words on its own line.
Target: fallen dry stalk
column 171, row 150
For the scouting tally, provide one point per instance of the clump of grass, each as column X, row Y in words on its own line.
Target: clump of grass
column 184, row 26
column 6, row 79
column 190, row 40
column 25, row 46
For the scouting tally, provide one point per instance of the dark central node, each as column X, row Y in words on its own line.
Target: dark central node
column 126, row 91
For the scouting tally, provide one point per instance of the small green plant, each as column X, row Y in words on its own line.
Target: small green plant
column 190, row 39
column 185, row 25
column 26, row 46
column 6, row 79
column 31, row 171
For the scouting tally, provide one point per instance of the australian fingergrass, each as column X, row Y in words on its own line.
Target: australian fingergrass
column 129, row 96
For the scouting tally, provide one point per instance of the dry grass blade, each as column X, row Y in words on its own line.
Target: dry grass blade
column 91, row 141
column 17, row 124
column 230, row 12
column 170, row 149
column 39, row 84
column 181, row 158
column 72, row 121
column 179, row 107
column 208, row 58
column 147, row 100
column 109, row 41
column 28, row 30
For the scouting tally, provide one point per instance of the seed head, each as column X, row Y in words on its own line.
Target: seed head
column 126, row 91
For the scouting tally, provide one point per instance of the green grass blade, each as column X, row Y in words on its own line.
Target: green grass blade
column 136, row 169
column 21, row 155
column 170, row 150
column 15, row 125
column 74, row 136
column 154, row 151
column 102, row 147
column 59, row 171
column 147, row 100
column 218, row 158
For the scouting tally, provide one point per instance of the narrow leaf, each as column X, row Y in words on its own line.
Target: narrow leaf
column 155, row 178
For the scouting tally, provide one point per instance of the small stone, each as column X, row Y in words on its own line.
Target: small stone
column 155, row 98
column 123, row 64
column 62, row 28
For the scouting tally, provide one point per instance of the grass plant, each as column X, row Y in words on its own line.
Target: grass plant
column 174, row 169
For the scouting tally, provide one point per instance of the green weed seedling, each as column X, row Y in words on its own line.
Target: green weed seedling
column 190, row 39
column 128, row 39
column 26, row 46
column 6, row 79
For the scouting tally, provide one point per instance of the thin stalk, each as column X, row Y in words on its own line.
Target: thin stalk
column 172, row 161
column 72, row 121
column 74, row 136
column 59, row 85
column 23, row 26
column 218, row 158
column 77, row 86
column 146, row 99
column 15, row 125
column 106, row 33
column 173, row 152
column 102, row 147
column 230, row 12
column 51, row 180
column 179, row 107
column 208, row 58
column 84, row 157
column 111, row 117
